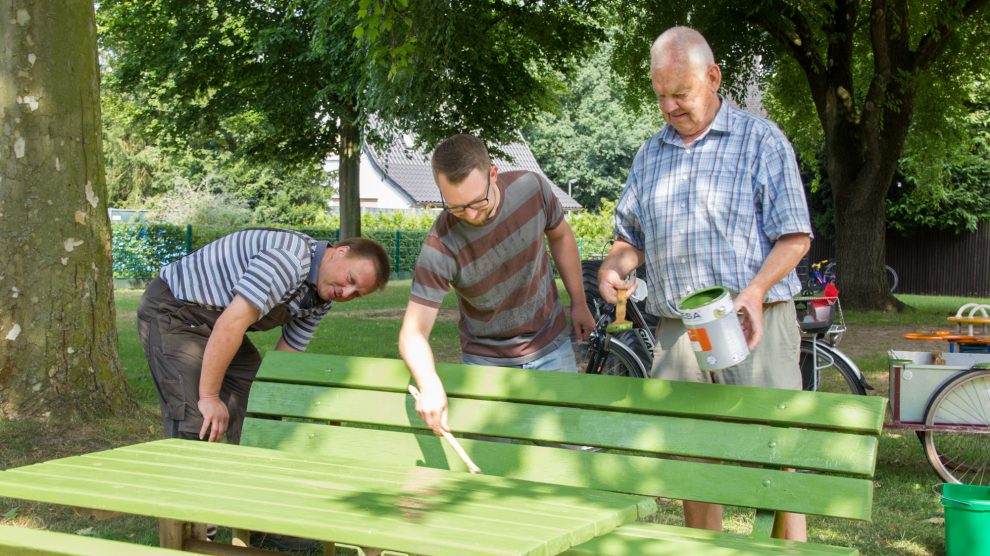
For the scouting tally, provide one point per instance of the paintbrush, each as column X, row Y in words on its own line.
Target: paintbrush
column 450, row 438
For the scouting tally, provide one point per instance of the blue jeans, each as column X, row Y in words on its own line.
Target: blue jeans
column 560, row 359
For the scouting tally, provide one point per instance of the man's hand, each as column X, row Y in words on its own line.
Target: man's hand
column 582, row 321
column 609, row 284
column 432, row 407
column 215, row 417
column 750, row 303
column 622, row 259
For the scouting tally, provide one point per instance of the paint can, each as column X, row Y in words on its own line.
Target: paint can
column 713, row 327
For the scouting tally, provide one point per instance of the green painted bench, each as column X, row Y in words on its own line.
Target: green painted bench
column 21, row 541
column 356, row 406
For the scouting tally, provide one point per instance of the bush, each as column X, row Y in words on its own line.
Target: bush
column 139, row 251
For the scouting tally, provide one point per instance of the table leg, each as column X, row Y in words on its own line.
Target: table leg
column 171, row 533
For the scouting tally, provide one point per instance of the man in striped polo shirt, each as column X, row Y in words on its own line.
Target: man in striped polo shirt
column 489, row 245
column 713, row 199
column 193, row 318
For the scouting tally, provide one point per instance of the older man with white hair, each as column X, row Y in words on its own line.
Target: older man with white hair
column 714, row 199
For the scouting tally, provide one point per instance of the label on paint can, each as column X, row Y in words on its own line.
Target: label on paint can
column 713, row 328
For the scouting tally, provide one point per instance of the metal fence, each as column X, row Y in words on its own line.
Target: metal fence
column 140, row 250
column 932, row 263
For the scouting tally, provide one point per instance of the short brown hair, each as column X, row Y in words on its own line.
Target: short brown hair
column 373, row 251
column 457, row 156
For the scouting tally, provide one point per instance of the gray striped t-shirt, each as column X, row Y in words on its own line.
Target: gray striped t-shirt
column 266, row 267
column 508, row 301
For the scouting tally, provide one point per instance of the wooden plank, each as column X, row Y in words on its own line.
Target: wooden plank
column 662, row 434
column 653, row 539
column 714, row 401
column 725, row 484
column 21, row 541
column 349, row 501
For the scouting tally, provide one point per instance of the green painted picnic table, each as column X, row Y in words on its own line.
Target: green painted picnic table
column 418, row 510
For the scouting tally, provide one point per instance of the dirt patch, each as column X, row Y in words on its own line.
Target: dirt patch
column 863, row 341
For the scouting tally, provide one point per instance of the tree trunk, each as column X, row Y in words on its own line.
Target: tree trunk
column 860, row 229
column 350, row 174
column 58, row 337
column 862, row 151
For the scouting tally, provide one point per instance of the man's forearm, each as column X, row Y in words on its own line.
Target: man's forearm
column 219, row 352
column 623, row 258
column 418, row 355
column 785, row 255
column 225, row 340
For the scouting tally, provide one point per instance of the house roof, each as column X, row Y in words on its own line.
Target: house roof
column 408, row 169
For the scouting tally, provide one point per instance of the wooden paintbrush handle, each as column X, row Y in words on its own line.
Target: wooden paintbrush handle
column 450, row 439
column 620, row 304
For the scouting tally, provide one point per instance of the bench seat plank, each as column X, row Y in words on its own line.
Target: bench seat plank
column 777, row 446
column 808, row 493
column 782, row 407
column 21, row 541
column 642, row 539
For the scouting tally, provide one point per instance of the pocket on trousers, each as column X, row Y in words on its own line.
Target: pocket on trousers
column 175, row 399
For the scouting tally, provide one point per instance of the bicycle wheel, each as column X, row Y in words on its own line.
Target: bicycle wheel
column 961, row 455
column 823, row 369
column 618, row 359
column 891, row 277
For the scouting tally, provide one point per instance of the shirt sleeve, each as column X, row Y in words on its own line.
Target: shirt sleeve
column 270, row 275
column 628, row 209
column 435, row 270
column 551, row 204
column 299, row 331
column 785, row 208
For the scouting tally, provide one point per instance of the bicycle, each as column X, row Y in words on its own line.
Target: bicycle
column 628, row 353
column 823, row 366
column 823, row 273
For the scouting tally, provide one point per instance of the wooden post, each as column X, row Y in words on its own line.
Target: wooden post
column 171, row 533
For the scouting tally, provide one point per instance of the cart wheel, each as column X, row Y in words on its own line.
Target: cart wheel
column 962, row 455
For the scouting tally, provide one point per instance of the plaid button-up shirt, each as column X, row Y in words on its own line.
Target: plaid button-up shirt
column 708, row 215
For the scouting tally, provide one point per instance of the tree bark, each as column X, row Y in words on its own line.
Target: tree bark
column 350, row 174
column 58, row 337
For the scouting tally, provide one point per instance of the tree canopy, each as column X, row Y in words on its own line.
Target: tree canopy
column 313, row 77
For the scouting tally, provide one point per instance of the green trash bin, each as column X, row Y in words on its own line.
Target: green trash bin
column 967, row 519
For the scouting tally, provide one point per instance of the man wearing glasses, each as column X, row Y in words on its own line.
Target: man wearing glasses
column 488, row 244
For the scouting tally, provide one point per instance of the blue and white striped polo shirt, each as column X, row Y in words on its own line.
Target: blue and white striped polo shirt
column 266, row 267
column 708, row 215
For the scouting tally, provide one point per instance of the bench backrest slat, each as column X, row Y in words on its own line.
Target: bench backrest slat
column 661, row 434
column 754, row 487
column 779, row 407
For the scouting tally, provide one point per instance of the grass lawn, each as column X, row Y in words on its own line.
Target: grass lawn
column 907, row 515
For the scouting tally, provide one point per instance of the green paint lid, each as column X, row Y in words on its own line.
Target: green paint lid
column 701, row 298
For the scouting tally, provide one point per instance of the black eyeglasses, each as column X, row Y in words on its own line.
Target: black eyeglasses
column 475, row 205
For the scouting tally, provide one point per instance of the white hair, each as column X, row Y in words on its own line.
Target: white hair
column 679, row 44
